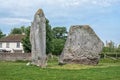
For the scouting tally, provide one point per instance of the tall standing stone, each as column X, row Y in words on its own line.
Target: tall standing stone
column 38, row 39
column 82, row 46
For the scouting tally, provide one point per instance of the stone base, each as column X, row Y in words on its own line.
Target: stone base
column 81, row 61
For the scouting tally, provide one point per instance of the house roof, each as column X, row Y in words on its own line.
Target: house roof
column 13, row 38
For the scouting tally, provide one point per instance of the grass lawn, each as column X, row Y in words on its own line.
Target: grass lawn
column 105, row 70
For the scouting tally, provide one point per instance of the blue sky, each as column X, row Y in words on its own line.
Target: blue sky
column 102, row 15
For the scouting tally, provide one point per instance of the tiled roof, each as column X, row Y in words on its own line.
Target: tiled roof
column 13, row 38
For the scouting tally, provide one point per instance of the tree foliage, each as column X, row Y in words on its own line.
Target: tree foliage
column 49, row 37
column 20, row 30
column 16, row 31
column 60, row 32
column 58, row 45
column 26, row 41
column 110, row 47
column 1, row 34
column 59, row 35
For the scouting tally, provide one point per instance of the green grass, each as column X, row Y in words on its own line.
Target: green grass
column 105, row 70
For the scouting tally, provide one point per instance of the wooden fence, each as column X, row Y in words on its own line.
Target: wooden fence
column 110, row 55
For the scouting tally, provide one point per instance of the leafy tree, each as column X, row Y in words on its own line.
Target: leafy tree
column 105, row 49
column 58, row 45
column 60, row 35
column 16, row 31
column 23, row 29
column 20, row 30
column 49, row 37
column 110, row 47
column 60, row 32
column 26, row 41
column 1, row 34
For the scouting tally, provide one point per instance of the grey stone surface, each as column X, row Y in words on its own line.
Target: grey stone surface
column 38, row 39
column 82, row 46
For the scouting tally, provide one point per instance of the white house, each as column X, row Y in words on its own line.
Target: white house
column 12, row 43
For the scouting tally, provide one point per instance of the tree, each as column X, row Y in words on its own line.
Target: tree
column 20, row 30
column 16, row 31
column 110, row 46
column 106, row 49
column 49, row 37
column 23, row 29
column 60, row 32
column 1, row 34
column 60, row 36
column 26, row 41
column 58, row 45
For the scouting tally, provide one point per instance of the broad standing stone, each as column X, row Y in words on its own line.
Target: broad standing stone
column 38, row 39
column 82, row 46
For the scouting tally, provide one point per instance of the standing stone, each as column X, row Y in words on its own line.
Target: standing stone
column 38, row 39
column 82, row 46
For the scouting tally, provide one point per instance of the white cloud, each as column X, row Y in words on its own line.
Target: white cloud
column 101, row 3
column 26, row 8
column 22, row 4
column 23, row 7
column 105, row 3
column 19, row 8
column 13, row 21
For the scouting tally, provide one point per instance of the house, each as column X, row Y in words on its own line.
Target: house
column 12, row 43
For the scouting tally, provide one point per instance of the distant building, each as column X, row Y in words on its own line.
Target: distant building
column 12, row 43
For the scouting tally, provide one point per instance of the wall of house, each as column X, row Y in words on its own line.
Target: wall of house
column 12, row 46
column 15, row 56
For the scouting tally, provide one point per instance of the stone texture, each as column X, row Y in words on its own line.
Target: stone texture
column 38, row 39
column 82, row 46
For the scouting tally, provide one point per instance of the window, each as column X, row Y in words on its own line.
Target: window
column 0, row 45
column 7, row 45
column 18, row 45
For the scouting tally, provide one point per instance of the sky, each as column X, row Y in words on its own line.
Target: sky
column 102, row 15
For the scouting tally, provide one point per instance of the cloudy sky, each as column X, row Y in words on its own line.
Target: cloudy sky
column 102, row 15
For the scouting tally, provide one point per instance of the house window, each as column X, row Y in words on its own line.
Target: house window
column 18, row 45
column 7, row 45
column 0, row 45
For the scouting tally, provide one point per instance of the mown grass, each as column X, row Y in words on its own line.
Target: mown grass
column 105, row 70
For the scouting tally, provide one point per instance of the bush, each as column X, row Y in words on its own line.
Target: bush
column 58, row 45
